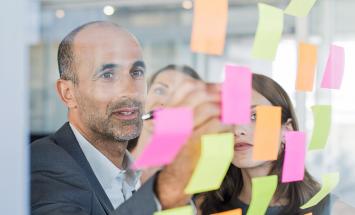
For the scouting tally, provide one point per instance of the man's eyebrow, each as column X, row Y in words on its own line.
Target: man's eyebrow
column 138, row 63
column 107, row 66
column 253, row 106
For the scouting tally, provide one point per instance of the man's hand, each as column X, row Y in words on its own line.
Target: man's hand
column 204, row 100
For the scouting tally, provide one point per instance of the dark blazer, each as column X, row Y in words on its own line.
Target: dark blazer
column 63, row 183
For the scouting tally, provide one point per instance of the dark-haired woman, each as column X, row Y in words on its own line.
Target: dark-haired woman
column 236, row 189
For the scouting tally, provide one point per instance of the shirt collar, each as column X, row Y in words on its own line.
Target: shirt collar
column 105, row 171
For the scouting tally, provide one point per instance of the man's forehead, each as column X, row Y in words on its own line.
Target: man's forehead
column 104, row 35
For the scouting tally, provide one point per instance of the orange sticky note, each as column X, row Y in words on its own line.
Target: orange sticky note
column 307, row 60
column 267, row 133
column 308, row 214
column 230, row 212
column 209, row 26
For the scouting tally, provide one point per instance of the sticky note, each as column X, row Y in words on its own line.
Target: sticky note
column 299, row 8
column 321, row 128
column 308, row 214
column 295, row 150
column 172, row 127
column 217, row 152
column 330, row 181
column 236, row 95
column 209, row 26
column 268, row 33
column 307, row 60
column 230, row 212
column 267, row 133
column 334, row 70
column 263, row 188
column 187, row 210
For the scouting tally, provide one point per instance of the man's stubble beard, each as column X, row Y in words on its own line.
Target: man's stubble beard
column 106, row 126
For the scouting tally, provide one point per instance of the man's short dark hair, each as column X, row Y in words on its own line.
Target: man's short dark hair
column 66, row 54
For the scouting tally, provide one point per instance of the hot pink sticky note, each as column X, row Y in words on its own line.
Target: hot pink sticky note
column 236, row 95
column 334, row 70
column 295, row 150
column 172, row 127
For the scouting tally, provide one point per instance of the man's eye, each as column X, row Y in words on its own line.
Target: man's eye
column 107, row 75
column 253, row 116
column 137, row 73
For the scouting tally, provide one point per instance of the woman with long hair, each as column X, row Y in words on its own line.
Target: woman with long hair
column 236, row 189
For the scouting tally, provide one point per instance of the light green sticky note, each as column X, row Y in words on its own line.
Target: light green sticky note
column 322, row 121
column 268, row 33
column 187, row 210
column 330, row 181
column 217, row 152
column 263, row 189
column 299, row 7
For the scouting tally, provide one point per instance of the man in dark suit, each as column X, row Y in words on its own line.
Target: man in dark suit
column 84, row 167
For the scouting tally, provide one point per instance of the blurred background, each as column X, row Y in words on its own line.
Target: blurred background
column 163, row 28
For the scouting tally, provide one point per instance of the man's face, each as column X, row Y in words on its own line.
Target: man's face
column 111, row 86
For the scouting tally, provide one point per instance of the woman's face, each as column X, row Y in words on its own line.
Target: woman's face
column 163, row 86
column 243, row 147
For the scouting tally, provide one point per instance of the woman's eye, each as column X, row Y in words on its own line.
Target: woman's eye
column 159, row 91
column 253, row 116
column 137, row 73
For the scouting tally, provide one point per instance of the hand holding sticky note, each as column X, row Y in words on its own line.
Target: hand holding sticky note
column 267, row 133
column 321, row 128
column 217, row 152
column 329, row 182
column 295, row 150
column 209, row 26
column 172, row 127
column 268, row 33
column 236, row 95
column 263, row 189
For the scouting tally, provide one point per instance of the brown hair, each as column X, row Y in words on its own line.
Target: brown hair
column 297, row 193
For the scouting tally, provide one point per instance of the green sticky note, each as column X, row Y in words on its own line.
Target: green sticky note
column 268, row 33
column 263, row 189
column 187, row 210
column 330, row 181
column 217, row 152
column 299, row 7
column 321, row 128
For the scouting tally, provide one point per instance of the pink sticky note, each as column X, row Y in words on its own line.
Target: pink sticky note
column 295, row 150
column 236, row 95
column 334, row 70
column 172, row 127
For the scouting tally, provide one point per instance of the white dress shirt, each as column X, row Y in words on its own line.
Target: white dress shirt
column 118, row 184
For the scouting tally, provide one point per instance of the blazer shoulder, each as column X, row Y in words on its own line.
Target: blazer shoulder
column 47, row 155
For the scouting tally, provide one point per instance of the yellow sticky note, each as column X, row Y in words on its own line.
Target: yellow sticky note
column 308, row 214
column 217, row 152
column 267, row 133
column 330, row 181
column 209, row 26
column 263, row 189
column 187, row 210
column 230, row 212
column 268, row 33
column 307, row 60
column 322, row 121
column 299, row 7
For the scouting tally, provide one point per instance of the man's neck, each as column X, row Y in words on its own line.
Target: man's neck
column 110, row 148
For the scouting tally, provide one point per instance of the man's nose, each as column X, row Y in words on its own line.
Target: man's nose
column 239, row 130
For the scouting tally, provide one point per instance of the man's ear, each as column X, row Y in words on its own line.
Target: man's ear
column 65, row 90
column 286, row 127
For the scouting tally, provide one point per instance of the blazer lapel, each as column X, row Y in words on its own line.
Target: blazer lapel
column 65, row 138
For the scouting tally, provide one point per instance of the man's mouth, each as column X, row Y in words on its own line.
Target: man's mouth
column 126, row 113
